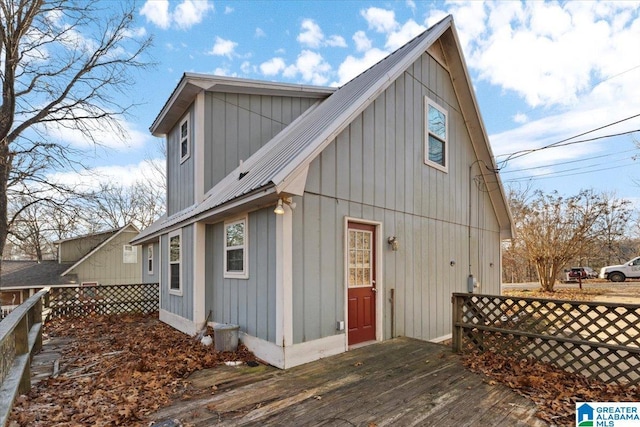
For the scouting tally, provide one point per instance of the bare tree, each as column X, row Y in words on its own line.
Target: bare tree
column 554, row 230
column 117, row 205
column 63, row 63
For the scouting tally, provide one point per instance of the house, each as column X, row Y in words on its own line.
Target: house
column 104, row 258
column 21, row 279
column 319, row 218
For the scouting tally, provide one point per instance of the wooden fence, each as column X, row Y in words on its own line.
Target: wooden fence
column 84, row 300
column 597, row 340
column 20, row 338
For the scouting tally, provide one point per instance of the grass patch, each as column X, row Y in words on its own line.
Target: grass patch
column 563, row 294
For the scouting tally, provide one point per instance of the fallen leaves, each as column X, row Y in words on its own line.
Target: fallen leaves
column 553, row 390
column 116, row 371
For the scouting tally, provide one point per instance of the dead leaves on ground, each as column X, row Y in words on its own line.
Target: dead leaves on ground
column 554, row 391
column 116, row 371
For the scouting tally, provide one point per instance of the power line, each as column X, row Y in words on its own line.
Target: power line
column 560, row 174
column 585, row 159
column 567, row 141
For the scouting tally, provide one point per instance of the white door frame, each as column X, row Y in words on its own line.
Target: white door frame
column 380, row 288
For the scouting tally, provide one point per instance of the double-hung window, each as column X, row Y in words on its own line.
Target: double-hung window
column 184, row 139
column 175, row 260
column 436, row 149
column 235, row 249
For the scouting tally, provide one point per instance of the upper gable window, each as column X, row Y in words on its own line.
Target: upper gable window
column 235, row 249
column 184, row 139
column 436, row 144
column 129, row 254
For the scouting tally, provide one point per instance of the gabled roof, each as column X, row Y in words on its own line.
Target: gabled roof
column 129, row 228
column 33, row 274
column 281, row 164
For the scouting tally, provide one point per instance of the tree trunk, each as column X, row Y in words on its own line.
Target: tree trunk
column 5, row 167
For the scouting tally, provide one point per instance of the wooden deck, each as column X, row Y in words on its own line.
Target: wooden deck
column 401, row 382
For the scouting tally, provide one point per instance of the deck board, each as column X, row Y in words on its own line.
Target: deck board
column 400, row 382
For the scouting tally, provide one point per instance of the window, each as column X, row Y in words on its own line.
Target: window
column 150, row 260
column 360, row 250
column 175, row 260
column 184, row 139
column 235, row 249
column 436, row 149
column 129, row 254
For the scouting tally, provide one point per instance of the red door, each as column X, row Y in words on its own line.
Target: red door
column 361, row 282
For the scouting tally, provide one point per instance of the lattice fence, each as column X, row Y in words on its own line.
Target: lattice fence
column 597, row 340
column 103, row 299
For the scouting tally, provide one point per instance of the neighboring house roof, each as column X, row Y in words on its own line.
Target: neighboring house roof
column 281, row 165
column 32, row 274
column 127, row 228
column 106, row 234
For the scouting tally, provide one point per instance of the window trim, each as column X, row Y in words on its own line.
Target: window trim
column 150, row 265
column 244, row 274
column 178, row 290
column 427, row 132
column 186, row 138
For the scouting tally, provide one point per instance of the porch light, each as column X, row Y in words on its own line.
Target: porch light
column 279, row 210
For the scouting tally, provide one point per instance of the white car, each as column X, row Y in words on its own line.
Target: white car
column 619, row 273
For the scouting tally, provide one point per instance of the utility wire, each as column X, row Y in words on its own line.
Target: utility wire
column 567, row 141
column 560, row 175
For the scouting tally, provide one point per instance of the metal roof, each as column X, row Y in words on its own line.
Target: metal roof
column 289, row 153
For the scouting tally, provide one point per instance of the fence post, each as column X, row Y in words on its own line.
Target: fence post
column 456, row 331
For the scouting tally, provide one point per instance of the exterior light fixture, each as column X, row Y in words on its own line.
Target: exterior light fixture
column 393, row 242
column 279, row 210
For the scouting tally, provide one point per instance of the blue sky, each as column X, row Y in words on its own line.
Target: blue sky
column 542, row 71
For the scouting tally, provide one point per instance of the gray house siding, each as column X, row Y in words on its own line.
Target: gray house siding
column 250, row 303
column 374, row 170
column 237, row 125
column 154, row 276
column 181, row 305
column 180, row 176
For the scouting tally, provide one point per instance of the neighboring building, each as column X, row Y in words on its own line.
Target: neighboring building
column 319, row 218
column 105, row 258
column 21, row 279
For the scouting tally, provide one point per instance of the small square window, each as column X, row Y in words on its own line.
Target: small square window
column 436, row 123
column 184, row 139
column 129, row 254
column 235, row 249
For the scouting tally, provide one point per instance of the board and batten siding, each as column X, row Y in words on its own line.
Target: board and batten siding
column 74, row 249
column 374, row 170
column 180, row 175
column 249, row 303
column 237, row 125
column 106, row 265
column 154, row 277
column 181, row 305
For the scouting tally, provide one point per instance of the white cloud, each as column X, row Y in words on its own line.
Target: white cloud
column 228, row 10
column 363, row 43
column 273, row 66
column 520, row 118
column 223, row 47
column 311, row 34
column 259, row 33
column 353, row 66
column 409, row 30
column 336, row 41
column 157, row 12
column 381, row 20
column 185, row 15
column 311, row 66
column 246, row 67
column 126, row 175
